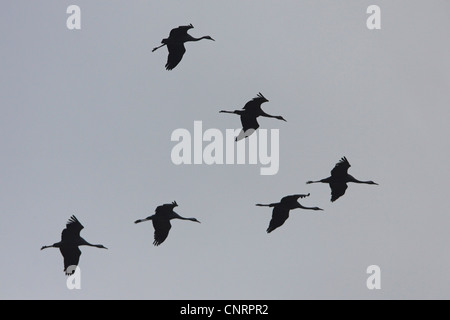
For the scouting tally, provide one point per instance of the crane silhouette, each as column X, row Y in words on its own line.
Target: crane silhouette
column 281, row 209
column 161, row 221
column 70, row 241
column 339, row 179
column 175, row 44
column 249, row 114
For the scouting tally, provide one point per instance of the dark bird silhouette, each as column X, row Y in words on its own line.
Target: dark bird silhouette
column 175, row 44
column 161, row 221
column 70, row 241
column 249, row 114
column 339, row 179
column 281, row 210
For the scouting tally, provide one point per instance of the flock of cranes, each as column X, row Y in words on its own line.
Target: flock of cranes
column 70, row 236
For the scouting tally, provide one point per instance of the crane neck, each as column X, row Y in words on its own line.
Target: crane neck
column 354, row 180
column 192, row 39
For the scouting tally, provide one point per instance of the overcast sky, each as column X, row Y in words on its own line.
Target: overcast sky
column 87, row 117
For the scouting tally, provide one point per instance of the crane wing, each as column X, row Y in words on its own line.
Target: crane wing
column 162, row 228
column 293, row 198
column 176, row 53
column 279, row 215
column 165, row 209
column 337, row 190
column 255, row 103
column 180, row 31
column 71, row 257
column 341, row 168
column 72, row 230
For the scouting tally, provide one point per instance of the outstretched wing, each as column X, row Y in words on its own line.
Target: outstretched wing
column 341, row 168
column 72, row 230
column 181, row 31
column 255, row 103
column 176, row 53
column 279, row 216
column 162, row 228
column 293, row 198
column 71, row 257
column 337, row 190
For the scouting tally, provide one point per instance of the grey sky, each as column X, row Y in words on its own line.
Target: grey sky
column 86, row 123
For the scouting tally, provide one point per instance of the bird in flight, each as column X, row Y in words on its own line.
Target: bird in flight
column 339, row 179
column 161, row 221
column 281, row 210
column 249, row 114
column 68, row 246
column 175, row 44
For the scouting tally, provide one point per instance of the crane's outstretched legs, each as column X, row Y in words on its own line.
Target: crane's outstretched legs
column 143, row 220
column 154, row 49
column 267, row 205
